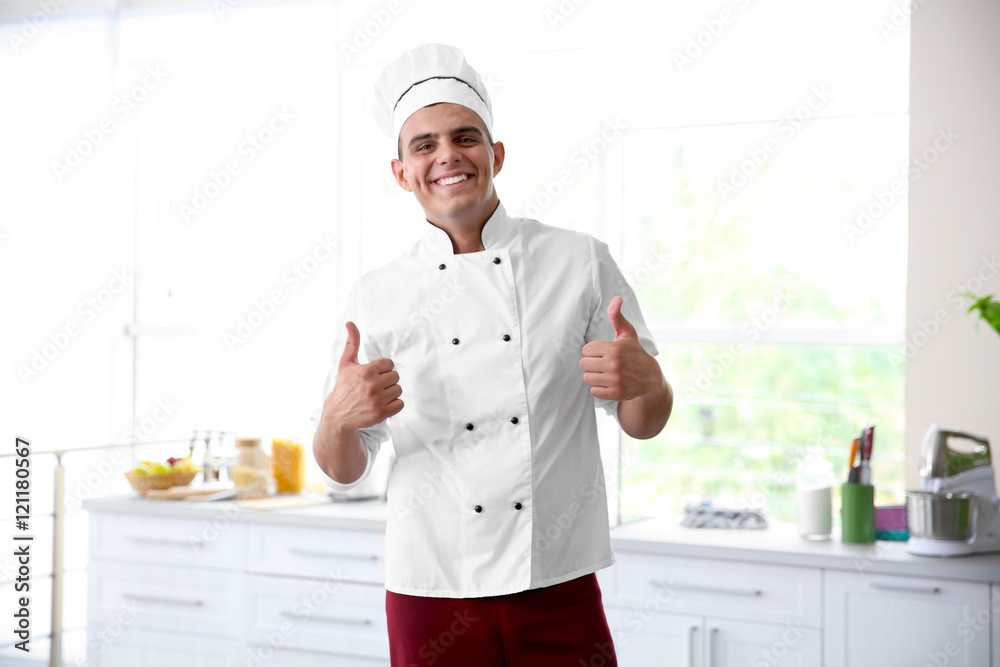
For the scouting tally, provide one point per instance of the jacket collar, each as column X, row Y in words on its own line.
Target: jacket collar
column 496, row 234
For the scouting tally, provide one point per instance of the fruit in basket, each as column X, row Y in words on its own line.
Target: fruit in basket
column 172, row 466
column 185, row 465
column 150, row 475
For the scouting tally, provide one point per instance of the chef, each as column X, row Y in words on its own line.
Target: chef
column 482, row 353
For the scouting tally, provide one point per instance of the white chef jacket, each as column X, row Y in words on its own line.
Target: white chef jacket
column 498, row 485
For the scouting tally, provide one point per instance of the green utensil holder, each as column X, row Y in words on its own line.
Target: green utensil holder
column 857, row 510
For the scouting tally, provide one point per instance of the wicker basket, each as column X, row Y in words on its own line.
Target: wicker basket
column 143, row 483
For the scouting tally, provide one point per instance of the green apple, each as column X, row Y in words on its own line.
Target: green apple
column 161, row 469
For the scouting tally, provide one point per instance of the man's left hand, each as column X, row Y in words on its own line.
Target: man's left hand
column 620, row 369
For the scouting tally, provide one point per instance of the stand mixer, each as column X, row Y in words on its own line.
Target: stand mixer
column 957, row 482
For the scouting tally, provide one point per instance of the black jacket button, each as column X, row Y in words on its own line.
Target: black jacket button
column 518, row 506
column 468, row 427
column 441, row 266
column 506, row 337
column 478, row 508
column 454, row 341
column 513, row 420
column 496, row 260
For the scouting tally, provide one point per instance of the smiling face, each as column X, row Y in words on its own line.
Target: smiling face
column 448, row 163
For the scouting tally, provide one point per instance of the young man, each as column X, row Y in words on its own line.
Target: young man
column 488, row 346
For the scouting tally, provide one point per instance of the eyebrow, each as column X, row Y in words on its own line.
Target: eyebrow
column 434, row 135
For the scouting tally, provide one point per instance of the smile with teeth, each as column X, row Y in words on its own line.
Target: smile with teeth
column 452, row 180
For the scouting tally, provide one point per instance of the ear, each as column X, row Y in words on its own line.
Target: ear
column 498, row 156
column 400, row 174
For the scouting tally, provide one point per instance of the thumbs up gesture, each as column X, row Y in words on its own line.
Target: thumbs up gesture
column 364, row 394
column 620, row 369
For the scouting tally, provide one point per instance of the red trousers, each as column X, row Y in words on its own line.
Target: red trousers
column 557, row 626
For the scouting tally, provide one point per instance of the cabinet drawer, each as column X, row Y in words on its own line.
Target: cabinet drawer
column 328, row 616
column 134, row 647
column 352, row 555
column 215, row 543
column 724, row 589
column 156, row 597
column 268, row 656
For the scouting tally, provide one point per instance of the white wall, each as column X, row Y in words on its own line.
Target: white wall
column 953, row 369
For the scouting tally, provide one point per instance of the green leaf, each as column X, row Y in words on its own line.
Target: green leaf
column 989, row 309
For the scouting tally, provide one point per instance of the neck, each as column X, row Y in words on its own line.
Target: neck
column 467, row 235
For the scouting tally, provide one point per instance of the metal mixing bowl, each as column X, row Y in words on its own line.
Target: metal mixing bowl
column 940, row 516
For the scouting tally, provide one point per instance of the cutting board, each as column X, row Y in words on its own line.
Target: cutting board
column 180, row 492
column 283, row 502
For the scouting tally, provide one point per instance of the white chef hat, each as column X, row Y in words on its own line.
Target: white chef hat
column 428, row 74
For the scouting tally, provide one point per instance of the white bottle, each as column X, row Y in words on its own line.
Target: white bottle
column 814, row 495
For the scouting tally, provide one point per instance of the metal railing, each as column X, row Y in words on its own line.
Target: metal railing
column 58, row 530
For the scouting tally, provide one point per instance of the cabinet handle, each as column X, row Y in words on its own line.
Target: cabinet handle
column 162, row 540
column 712, row 647
column 329, row 619
column 721, row 590
column 905, row 588
column 692, row 634
column 155, row 598
column 332, row 554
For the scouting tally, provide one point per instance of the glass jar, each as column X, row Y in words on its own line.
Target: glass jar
column 814, row 496
column 289, row 465
column 250, row 473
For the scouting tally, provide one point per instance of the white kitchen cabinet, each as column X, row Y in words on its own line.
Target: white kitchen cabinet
column 135, row 647
column 207, row 544
column 348, row 555
column 646, row 638
column 745, row 644
column 663, row 640
column 219, row 592
column 728, row 589
column 873, row 620
column 162, row 597
column 163, row 592
column 704, row 613
column 304, row 588
column 266, row 656
column 326, row 616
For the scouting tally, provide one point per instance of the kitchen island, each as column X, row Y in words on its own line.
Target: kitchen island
column 227, row 585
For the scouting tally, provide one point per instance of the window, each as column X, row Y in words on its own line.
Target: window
column 763, row 220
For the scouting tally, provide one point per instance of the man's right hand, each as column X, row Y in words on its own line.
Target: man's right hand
column 364, row 394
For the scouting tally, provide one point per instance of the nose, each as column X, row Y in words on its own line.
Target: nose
column 449, row 154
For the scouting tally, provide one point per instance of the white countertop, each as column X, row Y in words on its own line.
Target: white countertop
column 778, row 544
column 360, row 514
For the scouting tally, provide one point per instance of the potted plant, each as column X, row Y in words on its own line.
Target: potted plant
column 989, row 309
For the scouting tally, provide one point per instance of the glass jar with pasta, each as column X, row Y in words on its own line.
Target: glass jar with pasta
column 288, row 466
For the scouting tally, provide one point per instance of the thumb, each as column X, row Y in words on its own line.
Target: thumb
column 623, row 328
column 350, row 355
